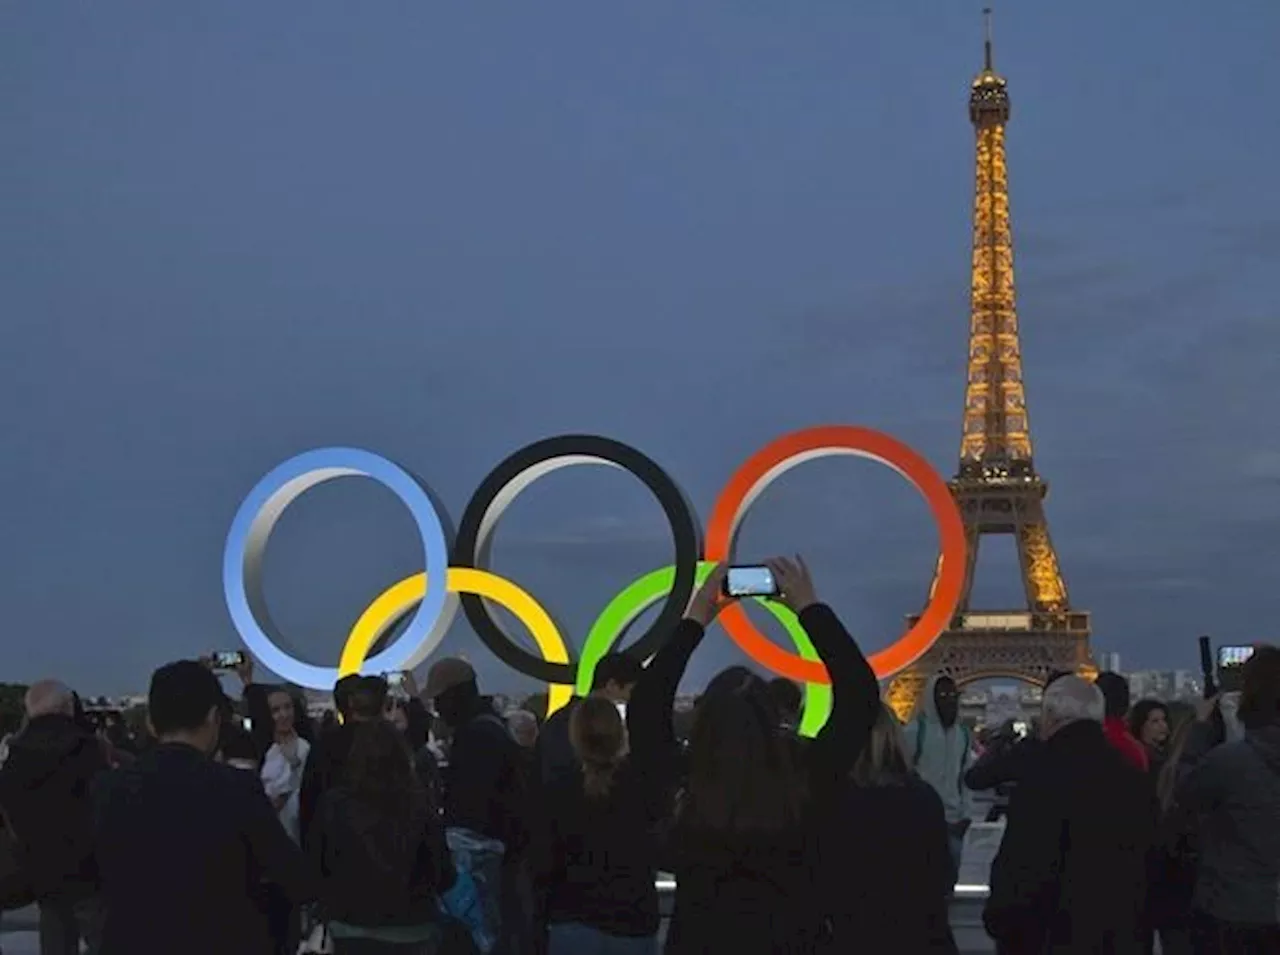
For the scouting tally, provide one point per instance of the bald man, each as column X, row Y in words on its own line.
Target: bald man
column 44, row 791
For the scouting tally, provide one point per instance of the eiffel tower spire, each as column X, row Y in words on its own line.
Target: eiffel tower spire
column 996, row 435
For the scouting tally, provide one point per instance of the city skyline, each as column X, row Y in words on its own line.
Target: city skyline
column 444, row 234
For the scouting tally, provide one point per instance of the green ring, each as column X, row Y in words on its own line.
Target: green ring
column 643, row 593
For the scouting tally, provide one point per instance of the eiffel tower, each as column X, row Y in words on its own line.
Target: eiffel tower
column 997, row 486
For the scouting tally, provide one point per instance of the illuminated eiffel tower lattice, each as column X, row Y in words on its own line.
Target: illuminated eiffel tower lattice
column 997, row 486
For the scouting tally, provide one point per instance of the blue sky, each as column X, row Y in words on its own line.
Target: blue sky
column 441, row 231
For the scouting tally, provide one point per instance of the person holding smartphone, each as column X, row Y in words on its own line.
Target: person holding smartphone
column 1235, row 792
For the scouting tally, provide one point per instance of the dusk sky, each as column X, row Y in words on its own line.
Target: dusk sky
column 440, row 231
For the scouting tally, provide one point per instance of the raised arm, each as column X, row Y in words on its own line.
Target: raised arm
column 650, row 730
column 854, row 689
column 649, row 726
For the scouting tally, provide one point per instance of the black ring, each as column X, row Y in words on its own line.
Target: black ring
column 471, row 547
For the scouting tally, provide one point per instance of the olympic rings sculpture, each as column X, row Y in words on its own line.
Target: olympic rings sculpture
column 457, row 575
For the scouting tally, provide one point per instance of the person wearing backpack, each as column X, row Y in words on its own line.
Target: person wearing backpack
column 485, row 801
column 940, row 746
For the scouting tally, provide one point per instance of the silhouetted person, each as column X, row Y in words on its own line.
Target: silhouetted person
column 1115, row 691
column 594, row 855
column 745, row 843
column 184, row 843
column 887, row 870
column 485, row 800
column 1002, row 765
column 44, row 792
column 1235, row 791
column 360, row 699
column 615, row 676
column 1070, row 876
column 380, row 847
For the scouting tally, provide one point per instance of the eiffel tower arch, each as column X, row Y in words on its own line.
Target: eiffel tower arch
column 997, row 486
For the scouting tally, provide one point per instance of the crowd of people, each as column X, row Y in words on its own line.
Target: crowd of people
column 246, row 828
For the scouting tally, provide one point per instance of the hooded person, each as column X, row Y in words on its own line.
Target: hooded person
column 940, row 750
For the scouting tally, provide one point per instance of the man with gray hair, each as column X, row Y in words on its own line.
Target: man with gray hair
column 45, row 795
column 1071, row 872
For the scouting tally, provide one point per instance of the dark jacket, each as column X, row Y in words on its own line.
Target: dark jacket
column 1070, row 876
column 1235, row 791
column 743, row 892
column 887, row 868
column 326, row 764
column 595, row 859
column 1003, row 766
column 45, row 786
column 183, row 845
column 556, row 760
column 484, row 782
column 378, row 870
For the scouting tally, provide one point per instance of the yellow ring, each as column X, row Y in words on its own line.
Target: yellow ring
column 402, row 596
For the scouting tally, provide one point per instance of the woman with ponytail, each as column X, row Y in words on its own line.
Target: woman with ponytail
column 594, row 847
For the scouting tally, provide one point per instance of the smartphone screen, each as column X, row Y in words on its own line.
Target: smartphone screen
column 1231, row 661
column 227, row 659
column 750, row 581
column 1233, row 656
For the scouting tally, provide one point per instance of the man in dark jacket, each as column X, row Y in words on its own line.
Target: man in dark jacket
column 1070, row 876
column 45, row 795
column 615, row 676
column 183, row 842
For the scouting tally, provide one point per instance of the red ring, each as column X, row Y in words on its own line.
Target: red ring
column 779, row 456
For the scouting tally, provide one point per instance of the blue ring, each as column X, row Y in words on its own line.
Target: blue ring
column 247, row 541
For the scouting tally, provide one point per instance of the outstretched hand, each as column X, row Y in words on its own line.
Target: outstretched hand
column 795, row 585
column 706, row 600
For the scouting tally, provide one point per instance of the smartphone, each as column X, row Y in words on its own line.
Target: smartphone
column 227, row 659
column 1020, row 729
column 753, row 580
column 1231, row 661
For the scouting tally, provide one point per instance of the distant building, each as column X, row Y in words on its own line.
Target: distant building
column 1165, row 685
column 1109, row 662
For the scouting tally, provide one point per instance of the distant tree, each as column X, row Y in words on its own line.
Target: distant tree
column 12, row 706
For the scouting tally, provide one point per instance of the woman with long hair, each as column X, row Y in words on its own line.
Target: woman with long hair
column 744, row 841
column 594, row 852
column 1149, row 724
column 285, row 759
column 887, row 856
column 1171, row 875
column 380, row 848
